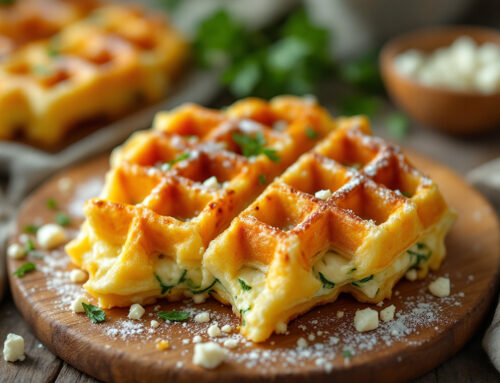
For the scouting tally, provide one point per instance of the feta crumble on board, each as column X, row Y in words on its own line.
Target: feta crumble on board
column 196, row 339
column 16, row 251
column 302, row 343
column 387, row 314
column 230, row 343
column 366, row 320
column 209, row 355
column 203, row 317
column 13, row 348
column 227, row 328
column 77, row 276
column 411, row 275
column 281, row 328
column 440, row 287
column 50, row 236
column 155, row 324
column 136, row 311
column 214, row 331
column 76, row 304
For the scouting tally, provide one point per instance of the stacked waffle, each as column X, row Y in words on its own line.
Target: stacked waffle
column 183, row 212
column 97, row 66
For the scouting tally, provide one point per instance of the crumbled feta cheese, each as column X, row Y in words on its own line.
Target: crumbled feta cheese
column 136, row 311
column 214, row 331
column 323, row 194
column 340, row 314
column 155, row 324
column 50, row 236
column 76, row 304
column 203, row 317
column 302, row 343
column 196, row 339
column 411, row 275
column 209, row 355
column 387, row 314
column 230, row 343
column 16, row 251
column 211, row 183
column 13, row 348
column 366, row 320
column 77, row 276
column 227, row 328
column 281, row 328
column 440, row 287
column 200, row 298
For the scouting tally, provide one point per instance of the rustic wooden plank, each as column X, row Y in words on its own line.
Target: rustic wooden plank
column 69, row 374
column 40, row 364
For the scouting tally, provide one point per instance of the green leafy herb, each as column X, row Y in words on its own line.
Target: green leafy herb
column 262, row 179
column 422, row 254
column 407, row 195
column 397, row 125
column 51, row 203
column 31, row 229
column 347, row 354
column 30, row 246
column 311, row 133
column 255, row 145
column 352, row 270
column 364, row 280
column 243, row 312
column 363, row 72
column 200, row 291
column 244, row 286
column 62, row 219
column 164, row 288
column 326, row 283
column 182, row 277
column 24, row 269
column 179, row 158
column 174, row 316
column 95, row 314
column 360, row 104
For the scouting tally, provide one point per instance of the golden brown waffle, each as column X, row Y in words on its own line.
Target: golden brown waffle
column 173, row 189
column 351, row 216
column 115, row 58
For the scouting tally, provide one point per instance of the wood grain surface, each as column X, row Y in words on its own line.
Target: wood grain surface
column 472, row 265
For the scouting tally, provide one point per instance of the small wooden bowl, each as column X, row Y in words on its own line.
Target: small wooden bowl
column 448, row 110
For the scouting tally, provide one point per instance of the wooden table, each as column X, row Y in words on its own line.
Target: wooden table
column 470, row 364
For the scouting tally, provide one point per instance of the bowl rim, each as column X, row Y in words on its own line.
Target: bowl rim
column 393, row 47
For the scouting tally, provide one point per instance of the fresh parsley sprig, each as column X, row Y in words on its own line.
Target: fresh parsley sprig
column 95, row 314
column 174, row 316
column 252, row 146
column 24, row 269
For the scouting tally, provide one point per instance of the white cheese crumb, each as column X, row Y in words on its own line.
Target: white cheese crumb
column 311, row 337
column 203, row 317
column 211, row 183
column 366, row 320
column 200, row 298
column 136, row 311
column 65, row 184
column 281, row 328
column 76, row 304
column 380, row 304
column 227, row 328
column 209, row 355
column 214, row 331
column 13, row 348
column 302, row 343
column 185, row 341
column 196, row 339
column 387, row 314
column 230, row 343
column 411, row 275
column 340, row 314
column 16, row 251
column 440, row 287
column 77, row 276
column 155, row 324
column 323, row 194
column 50, row 236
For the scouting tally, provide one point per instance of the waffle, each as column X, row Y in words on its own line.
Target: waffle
column 100, row 66
column 172, row 189
column 374, row 218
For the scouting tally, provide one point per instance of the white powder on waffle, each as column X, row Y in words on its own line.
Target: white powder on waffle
column 90, row 189
column 249, row 126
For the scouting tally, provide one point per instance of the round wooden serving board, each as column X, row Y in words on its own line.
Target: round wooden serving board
column 426, row 331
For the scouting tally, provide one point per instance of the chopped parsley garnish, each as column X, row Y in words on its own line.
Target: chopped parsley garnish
column 347, row 354
column 206, row 288
column 95, row 314
column 422, row 254
column 352, row 270
column 164, row 288
column 255, row 145
column 244, row 286
column 326, row 283
column 364, row 280
column 179, row 158
column 243, row 312
column 360, row 104
column 403, row 193
column 31, row 229
column 24, row 269
column 30, row 246
column 311, row 133
column 62, row 219
column 262, row 179
column 51, row 203
column 174, row 316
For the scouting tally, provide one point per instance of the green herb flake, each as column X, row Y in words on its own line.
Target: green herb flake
column 243, row 285
column 24, row 269
column 262, row 179
column 363, row 280
column 200, row 291
column 174, row 316
column 62, row 219
column 326, row 283
column 347, row 354
column 164, row 288
column 360, row 104
column 397, row 126
column 255, row 145
column 95, row 314
column 422, row 254
column 181, row 157
column 407, row 195
column 311, row 133
column 30, row 246
column 363, row 72
column 31, row 229
column 51, row 203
